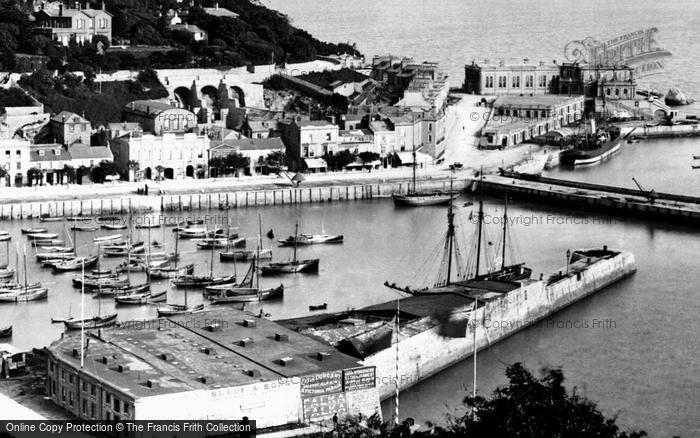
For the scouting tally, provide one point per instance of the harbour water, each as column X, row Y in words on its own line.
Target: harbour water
column 626, row 347
column 645, row 368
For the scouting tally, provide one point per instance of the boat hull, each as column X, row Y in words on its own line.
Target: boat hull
column 91, row 323
column 423, row 199
column 176, row 309
column 310, row 265
column 253, row 295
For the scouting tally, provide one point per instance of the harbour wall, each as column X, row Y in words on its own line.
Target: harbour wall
column 590, row 197
column 665, row 131
column 215, row 201
column 427, row 353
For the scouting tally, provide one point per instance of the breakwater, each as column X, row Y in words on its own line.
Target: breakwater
column 594, row 197
column 215, row 200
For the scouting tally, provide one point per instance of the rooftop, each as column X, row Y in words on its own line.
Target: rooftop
column 149, row 107
column 206, row 350
column 187, row 28
column 537, row 100
column 80, row 151
column 315, row 123
column 220, row 12
column 252, row 144
column 68, row 117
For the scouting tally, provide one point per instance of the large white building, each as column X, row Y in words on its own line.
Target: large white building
column 180, row 155
column 511, row 78
column 14, row 158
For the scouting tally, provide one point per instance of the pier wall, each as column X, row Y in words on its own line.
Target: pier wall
column 598, row 202
column 428, row 352
column 215, row 201
column 664, row 131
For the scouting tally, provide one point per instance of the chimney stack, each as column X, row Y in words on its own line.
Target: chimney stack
column 60, row 10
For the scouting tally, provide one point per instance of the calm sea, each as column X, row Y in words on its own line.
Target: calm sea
column 646, row 369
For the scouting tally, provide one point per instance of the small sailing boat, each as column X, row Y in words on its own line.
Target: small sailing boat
column 415, row 198
column 35, row 230
column 26, row 293
column 91, row 323
column 248, row 290
column 142, row 298
column 75, row 264
column 293, row 266
column 311, row 239
column 169, row 309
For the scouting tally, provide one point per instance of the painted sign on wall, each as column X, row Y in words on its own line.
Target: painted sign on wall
column 359, row 378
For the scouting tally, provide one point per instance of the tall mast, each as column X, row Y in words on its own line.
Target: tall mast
column 177, row 239
column 450, row 236
column 296, row 233
column 25, row 268
column 414, row 168
column 82, row 318
column 211, row 256
column 505, row 228
column 481, row 219
column 396, row 361
column 75, row 238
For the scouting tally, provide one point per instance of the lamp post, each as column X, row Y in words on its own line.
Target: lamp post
column 568, row 258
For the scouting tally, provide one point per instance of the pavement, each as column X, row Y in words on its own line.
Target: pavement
column 461, row 143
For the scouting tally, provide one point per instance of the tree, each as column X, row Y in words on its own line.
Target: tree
column 70, row 173
column 340, row 160
column 34, row 175
column 535, row 407
column 3, row 176
column 368, row 157
column 276, row 160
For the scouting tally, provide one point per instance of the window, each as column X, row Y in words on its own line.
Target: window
column 117, row 405
column 84, row 385
column 57, row 152
column 529, row 80
column 489, row 82
column 516, row 81
column 328, row 136
column 84, row 407
column 502, row 82
column 108, row 398
column 93, row 390
column 81, row 23
column 430, row 138
column 70, row 378
column 63, row 395
column 83, row 127
column 41, row 154
column 543, row 80
column 18, row 153
column 71, row 128
column 19, row 166
column 92, row 410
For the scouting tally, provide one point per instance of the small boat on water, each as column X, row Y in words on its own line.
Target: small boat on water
column 418, row 198
column 178, row 309
column 121, row 290
column 106, row 282
column 75, row 264
column 6, row 273
column 43, row 256
column 247, row 291
column 141, row 298
column 211, row 242
column 5, row 332
column 293, row 266
column 41, row 236
column 47, row 242
column 172, row 272
column 108, row 238
column 14, row 287
column 323, row 306
column 244, row 255
column 57, row 249
column 24, row 295
column 51, row 219
column 193, row 233
column 90, row 323
column 84, row 228
column 199, row 281
column 5, row 237
column 114, row 226
column 311, row 239
column 35, row 230
column 122, row 250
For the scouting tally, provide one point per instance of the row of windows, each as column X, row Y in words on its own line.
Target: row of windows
column 157, row 155
column 102, row 23
column 503, row 81
column 18, row 153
